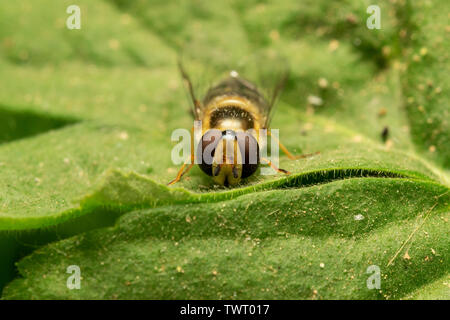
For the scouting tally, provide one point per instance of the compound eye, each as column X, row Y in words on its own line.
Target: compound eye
column 206, row 149
column 250, row 153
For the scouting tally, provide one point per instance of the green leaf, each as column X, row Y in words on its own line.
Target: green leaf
column 267, row 244
column 86, row 119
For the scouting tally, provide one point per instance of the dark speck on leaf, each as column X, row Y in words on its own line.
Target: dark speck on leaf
column 385, row 134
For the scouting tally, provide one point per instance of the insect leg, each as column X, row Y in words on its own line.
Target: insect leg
column 191, row 164
column 274, row 167
column 286, row 151
column 179, row 175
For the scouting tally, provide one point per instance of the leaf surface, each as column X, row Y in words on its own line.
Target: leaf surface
column 86, row 119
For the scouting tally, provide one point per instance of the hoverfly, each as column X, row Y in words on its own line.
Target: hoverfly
column 232, row 111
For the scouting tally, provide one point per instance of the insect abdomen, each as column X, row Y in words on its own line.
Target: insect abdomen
column 235, row 86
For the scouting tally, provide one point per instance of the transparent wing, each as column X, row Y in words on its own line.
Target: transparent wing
column 263, row 71
column 188, row 84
